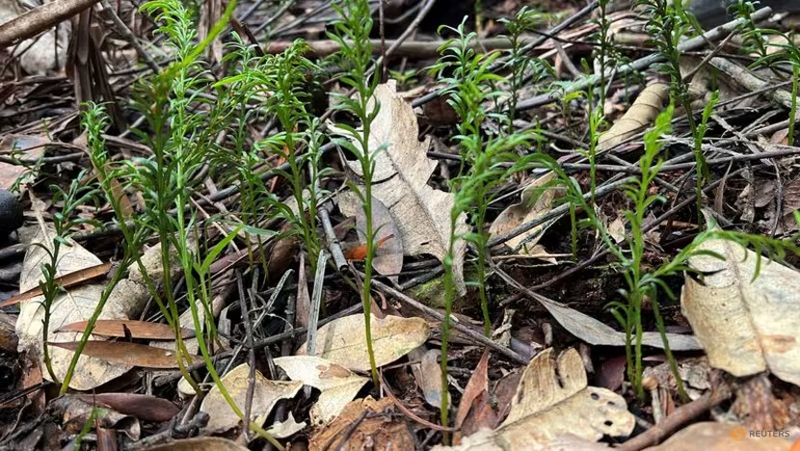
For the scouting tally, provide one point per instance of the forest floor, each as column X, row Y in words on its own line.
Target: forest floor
column 575, row 226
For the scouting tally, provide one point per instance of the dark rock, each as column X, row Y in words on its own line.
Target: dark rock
column 11, row 217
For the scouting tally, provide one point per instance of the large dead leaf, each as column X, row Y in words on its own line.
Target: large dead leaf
column 536, row 200
column 553, row 402
column 338, row 384
column 266, row 394
column 745, row 326
column 343, row 341
column 77, row 304
column 402, row 170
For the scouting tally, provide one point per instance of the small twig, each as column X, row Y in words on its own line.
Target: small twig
column 466, row 330
column 679, row 417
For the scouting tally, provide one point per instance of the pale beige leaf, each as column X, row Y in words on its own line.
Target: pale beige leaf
column 286, row 428
column 487, row 440
column 535, row 201
column 77, row 304
column 266, row 394
column 343, row 341
column 428, row 374
column 402, row 170
column 745, row 326
column 596, row 332
column 641, row 114
column 712, row 436
column 389, row 254
column 338, row 384
column 552, row 390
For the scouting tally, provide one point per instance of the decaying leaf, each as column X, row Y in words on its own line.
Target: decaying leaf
column 641, row 114
column 66, row 281
column 595, row 332
column 286, row 428
column 389, row 253
column 377, row 431
column 555, row 409
column 267, row 393
column 535, row 201
column 343, row 341
column 199, row 444
column 127, row 354
column 338, row 384
column 402, row 170
column 475, row 411
column 554, row 389
column 125, row 328
column 746, row 326
column 77, row 304
column 428, row 374
column 712, row 436
column 143, row 407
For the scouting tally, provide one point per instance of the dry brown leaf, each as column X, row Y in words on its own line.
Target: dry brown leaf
column 642, row 113
column 199, row 444
column 428, row 374
column 135, row 329
column 379, row 431
column 745, row 326
column 66, row 281
column 338, row 384
column 343, row 341
column 77, row 304
column 535, row 201
column 143, row 407
column 476, row 400
column 402, row 170
column 267, row 393
column 128, row 354
column 712, row 436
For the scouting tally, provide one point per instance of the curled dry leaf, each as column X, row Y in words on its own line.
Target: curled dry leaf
column 402, row 170
column 536, row 200
column 343, row 341
column 267, row 393
column 338, row 384
column 745, row 325
column 642, row 113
